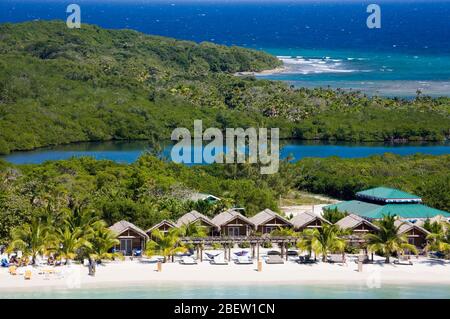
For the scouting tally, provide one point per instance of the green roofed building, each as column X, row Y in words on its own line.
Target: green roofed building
column 387, row 195
column 354, row 207
column 380, row 201
column 407, row 211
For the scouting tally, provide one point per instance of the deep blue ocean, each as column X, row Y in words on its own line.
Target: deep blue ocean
column 323, row 43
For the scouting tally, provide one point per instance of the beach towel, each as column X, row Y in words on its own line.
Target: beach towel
column 212, row 256
column 241, row 253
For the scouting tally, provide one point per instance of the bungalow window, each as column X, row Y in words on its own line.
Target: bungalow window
column 233, row 231
column 269, row 229
column 126, row 246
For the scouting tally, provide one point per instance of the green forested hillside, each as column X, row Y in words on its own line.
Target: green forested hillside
column 60, row 85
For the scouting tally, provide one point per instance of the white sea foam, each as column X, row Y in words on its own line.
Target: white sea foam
column 314, row 65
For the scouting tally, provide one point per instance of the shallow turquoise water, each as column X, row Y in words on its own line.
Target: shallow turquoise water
column 254, row 291
column 374, row 73
column 129, row 151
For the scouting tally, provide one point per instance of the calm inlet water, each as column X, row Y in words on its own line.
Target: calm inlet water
column 129, row 151
column 224, row 291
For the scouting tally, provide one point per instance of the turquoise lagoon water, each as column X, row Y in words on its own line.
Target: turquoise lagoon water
column 229, row 291
column 129, row 151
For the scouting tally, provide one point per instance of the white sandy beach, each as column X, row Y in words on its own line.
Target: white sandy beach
column 120, row 273
column 280, row 69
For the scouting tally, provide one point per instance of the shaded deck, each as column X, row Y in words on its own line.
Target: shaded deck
column 228, row 242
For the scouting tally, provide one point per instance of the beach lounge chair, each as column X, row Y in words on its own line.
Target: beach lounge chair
column 13, row 270
column 244, row 260
column 27, row 275
column 211, row 257
column 363, row 258
column 5, row 263
column 241, row 253
column 337, row 259
column 219, row 260
column 274, row 259
column 306, row 260
column 186, row 260
column 403, row 260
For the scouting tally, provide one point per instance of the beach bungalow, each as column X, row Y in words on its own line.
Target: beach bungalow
column 194, row 217
column 232, row 223
column 267, row 220
column 163, row 226
column 308, row 220
column 358, row 225
column 131, row 237
column 416, row 235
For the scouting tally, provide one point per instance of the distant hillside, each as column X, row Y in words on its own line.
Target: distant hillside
column 60, row 85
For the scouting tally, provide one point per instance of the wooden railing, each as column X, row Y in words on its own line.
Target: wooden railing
column 252, row 240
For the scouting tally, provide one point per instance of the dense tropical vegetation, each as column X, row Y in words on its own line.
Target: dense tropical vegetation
column 152, row 189
column 60, row 85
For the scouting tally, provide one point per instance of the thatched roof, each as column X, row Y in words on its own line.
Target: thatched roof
column 161, row 223
column 352, row 221
column 406, row 226
column 193, row 217
column 305, row 218
column 228, row 215
column 267, row 215
column 122, row 226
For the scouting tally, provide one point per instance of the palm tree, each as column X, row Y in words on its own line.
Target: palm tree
column 307, row 241
column 333, row 215
column 439, row 237
column 165, row 244
column 33, row 239
column 388, row 240
column 70, row 241
column 284, row 232
column 83, row 219
column 193, row 230
column 101, row 243
column 328, row 238
column 434, row 227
